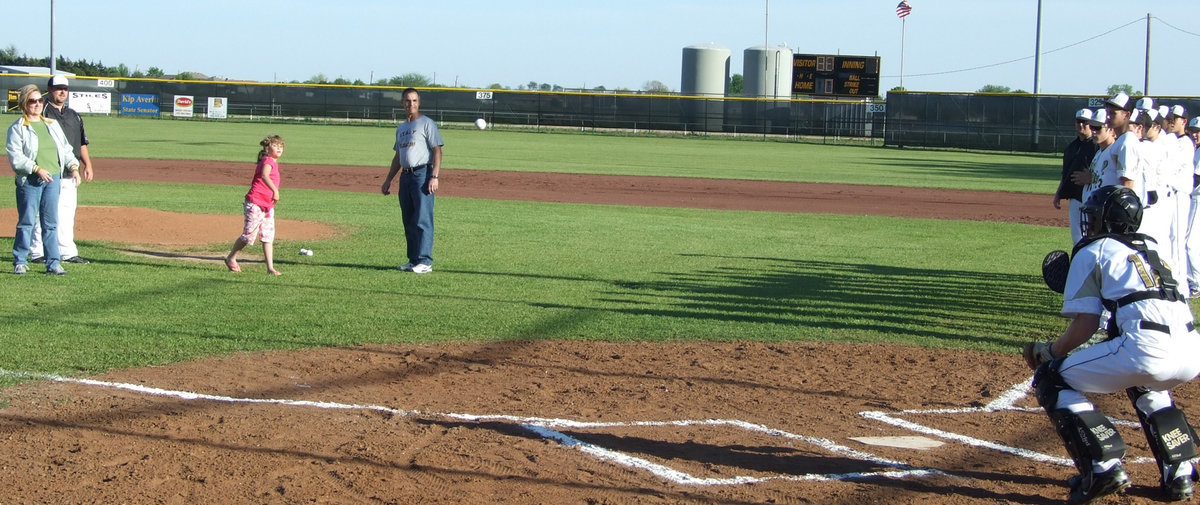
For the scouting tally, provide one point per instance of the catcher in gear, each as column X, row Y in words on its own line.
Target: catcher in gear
column 1152, row 347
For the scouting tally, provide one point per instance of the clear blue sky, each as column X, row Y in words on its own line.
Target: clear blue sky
column 623, row 43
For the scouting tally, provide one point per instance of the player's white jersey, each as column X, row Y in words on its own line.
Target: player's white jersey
column 1104, row 172
column 1107, row 269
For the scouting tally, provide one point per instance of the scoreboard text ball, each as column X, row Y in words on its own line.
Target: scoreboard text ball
column 835, row 75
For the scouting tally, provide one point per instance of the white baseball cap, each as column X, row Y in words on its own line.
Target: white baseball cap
column 1120, row 101
column 1145, row 103
column 1083, row 115
column 57, row 81
column 1194, row 124
column 1177, row 111
column 1099, row 118
column 1163, row 110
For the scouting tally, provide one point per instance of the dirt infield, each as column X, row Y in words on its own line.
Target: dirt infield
column 558, row 422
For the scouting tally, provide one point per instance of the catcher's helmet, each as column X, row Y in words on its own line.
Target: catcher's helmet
column 1110, row 209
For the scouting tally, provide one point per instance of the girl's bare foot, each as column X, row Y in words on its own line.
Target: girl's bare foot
column 273, row 271
column 233, row 265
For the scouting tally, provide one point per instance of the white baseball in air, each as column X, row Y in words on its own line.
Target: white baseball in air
column 480, row 123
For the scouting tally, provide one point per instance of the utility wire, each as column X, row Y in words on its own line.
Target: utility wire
column 1068, row 46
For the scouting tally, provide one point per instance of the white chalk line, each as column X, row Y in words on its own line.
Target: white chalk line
column 1005, row 402
column 544, row 427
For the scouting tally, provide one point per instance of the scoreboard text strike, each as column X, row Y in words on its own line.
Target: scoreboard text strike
column 819, row 74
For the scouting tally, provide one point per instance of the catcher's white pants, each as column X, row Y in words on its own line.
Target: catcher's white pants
column 68, row 200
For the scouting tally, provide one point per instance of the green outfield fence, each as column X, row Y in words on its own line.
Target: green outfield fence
column 1004, row 122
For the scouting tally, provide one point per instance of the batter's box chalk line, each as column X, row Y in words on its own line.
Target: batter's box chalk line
column 546, row 428
column 1005, row 402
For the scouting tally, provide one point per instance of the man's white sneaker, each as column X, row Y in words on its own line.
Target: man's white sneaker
column 407, row 267
column 422, row 268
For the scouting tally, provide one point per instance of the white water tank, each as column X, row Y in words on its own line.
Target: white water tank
column 767, row 72
column 705, row 74
column 705, row 70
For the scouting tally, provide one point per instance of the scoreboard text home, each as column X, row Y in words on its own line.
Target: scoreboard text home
column 819, row 74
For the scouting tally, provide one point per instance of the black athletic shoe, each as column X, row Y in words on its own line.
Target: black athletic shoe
column 38, row 260
column 1089, row 487
column 1180, row 489
column 77, row 259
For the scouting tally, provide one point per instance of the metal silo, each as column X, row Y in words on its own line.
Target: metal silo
column 767, row 73
column 705, row 74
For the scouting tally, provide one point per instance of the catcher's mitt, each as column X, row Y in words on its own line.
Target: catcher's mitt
column 1036, row 353
column 1054, row 270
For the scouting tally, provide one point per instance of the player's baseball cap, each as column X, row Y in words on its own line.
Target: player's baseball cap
column 1099, row 118
column 1120, row 101
column 1144, row 103
column 1194, row 124
column 57, row 81
column 1084, row 115
column 1177, row 111
column 1143, row 117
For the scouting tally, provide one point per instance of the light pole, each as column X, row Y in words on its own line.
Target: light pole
column 52, row 58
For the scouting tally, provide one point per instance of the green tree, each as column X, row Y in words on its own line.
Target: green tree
column 496, row 85
column 184, row 76
column 994, row 88
column 411, row 79
column 1122, row 88
column 121, row 70
column 653, row 86
column 736, row 83
column 154, row 73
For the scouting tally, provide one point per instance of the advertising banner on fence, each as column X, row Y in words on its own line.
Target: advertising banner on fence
column 183, row 106
column 90, row 102
column 138, row 104
column 218, row 107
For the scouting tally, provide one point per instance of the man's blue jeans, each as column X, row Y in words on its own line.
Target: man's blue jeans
column 36, row 200
column 416, row 210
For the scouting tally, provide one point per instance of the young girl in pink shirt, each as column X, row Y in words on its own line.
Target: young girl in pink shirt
column 259, row 209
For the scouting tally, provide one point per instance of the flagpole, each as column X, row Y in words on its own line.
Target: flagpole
column 903, row 25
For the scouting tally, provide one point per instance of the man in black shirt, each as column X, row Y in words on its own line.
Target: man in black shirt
column 1076, row 158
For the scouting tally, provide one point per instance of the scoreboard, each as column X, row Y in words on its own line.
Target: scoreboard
column 835, row 75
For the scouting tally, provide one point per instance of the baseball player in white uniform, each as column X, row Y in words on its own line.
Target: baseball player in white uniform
column 1103, row 170
column 1151, row 348
column 1192, row 133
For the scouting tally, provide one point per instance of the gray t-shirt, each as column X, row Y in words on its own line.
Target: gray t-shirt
column 415, row 141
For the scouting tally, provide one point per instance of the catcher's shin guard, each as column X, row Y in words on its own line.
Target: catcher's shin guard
column 1171, row 438
column 1088, row 436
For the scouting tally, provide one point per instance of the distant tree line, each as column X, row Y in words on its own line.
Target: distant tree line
column 9, row 56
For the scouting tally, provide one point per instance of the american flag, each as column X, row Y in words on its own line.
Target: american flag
column 903, row 9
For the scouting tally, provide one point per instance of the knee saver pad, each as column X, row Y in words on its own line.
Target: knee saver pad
column 1172, row 434
column 1047, row 383
column 1099, row 438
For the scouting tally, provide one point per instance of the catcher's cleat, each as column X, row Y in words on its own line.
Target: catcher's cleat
column 1089, row 487
column 1180, row 489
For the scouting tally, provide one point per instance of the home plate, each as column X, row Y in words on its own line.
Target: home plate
column 909, row 442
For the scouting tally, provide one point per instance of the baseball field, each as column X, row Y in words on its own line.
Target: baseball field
column 611, row 319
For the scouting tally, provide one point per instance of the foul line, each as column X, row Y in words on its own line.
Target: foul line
column 544, row 427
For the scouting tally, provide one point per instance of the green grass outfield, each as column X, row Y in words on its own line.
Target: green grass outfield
column 520, row 270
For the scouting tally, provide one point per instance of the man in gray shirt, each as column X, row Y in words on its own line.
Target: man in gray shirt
column 418, row 160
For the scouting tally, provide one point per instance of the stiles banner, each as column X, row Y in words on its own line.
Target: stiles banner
column 137, row 104
column 90, row 102
column 183, row 106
